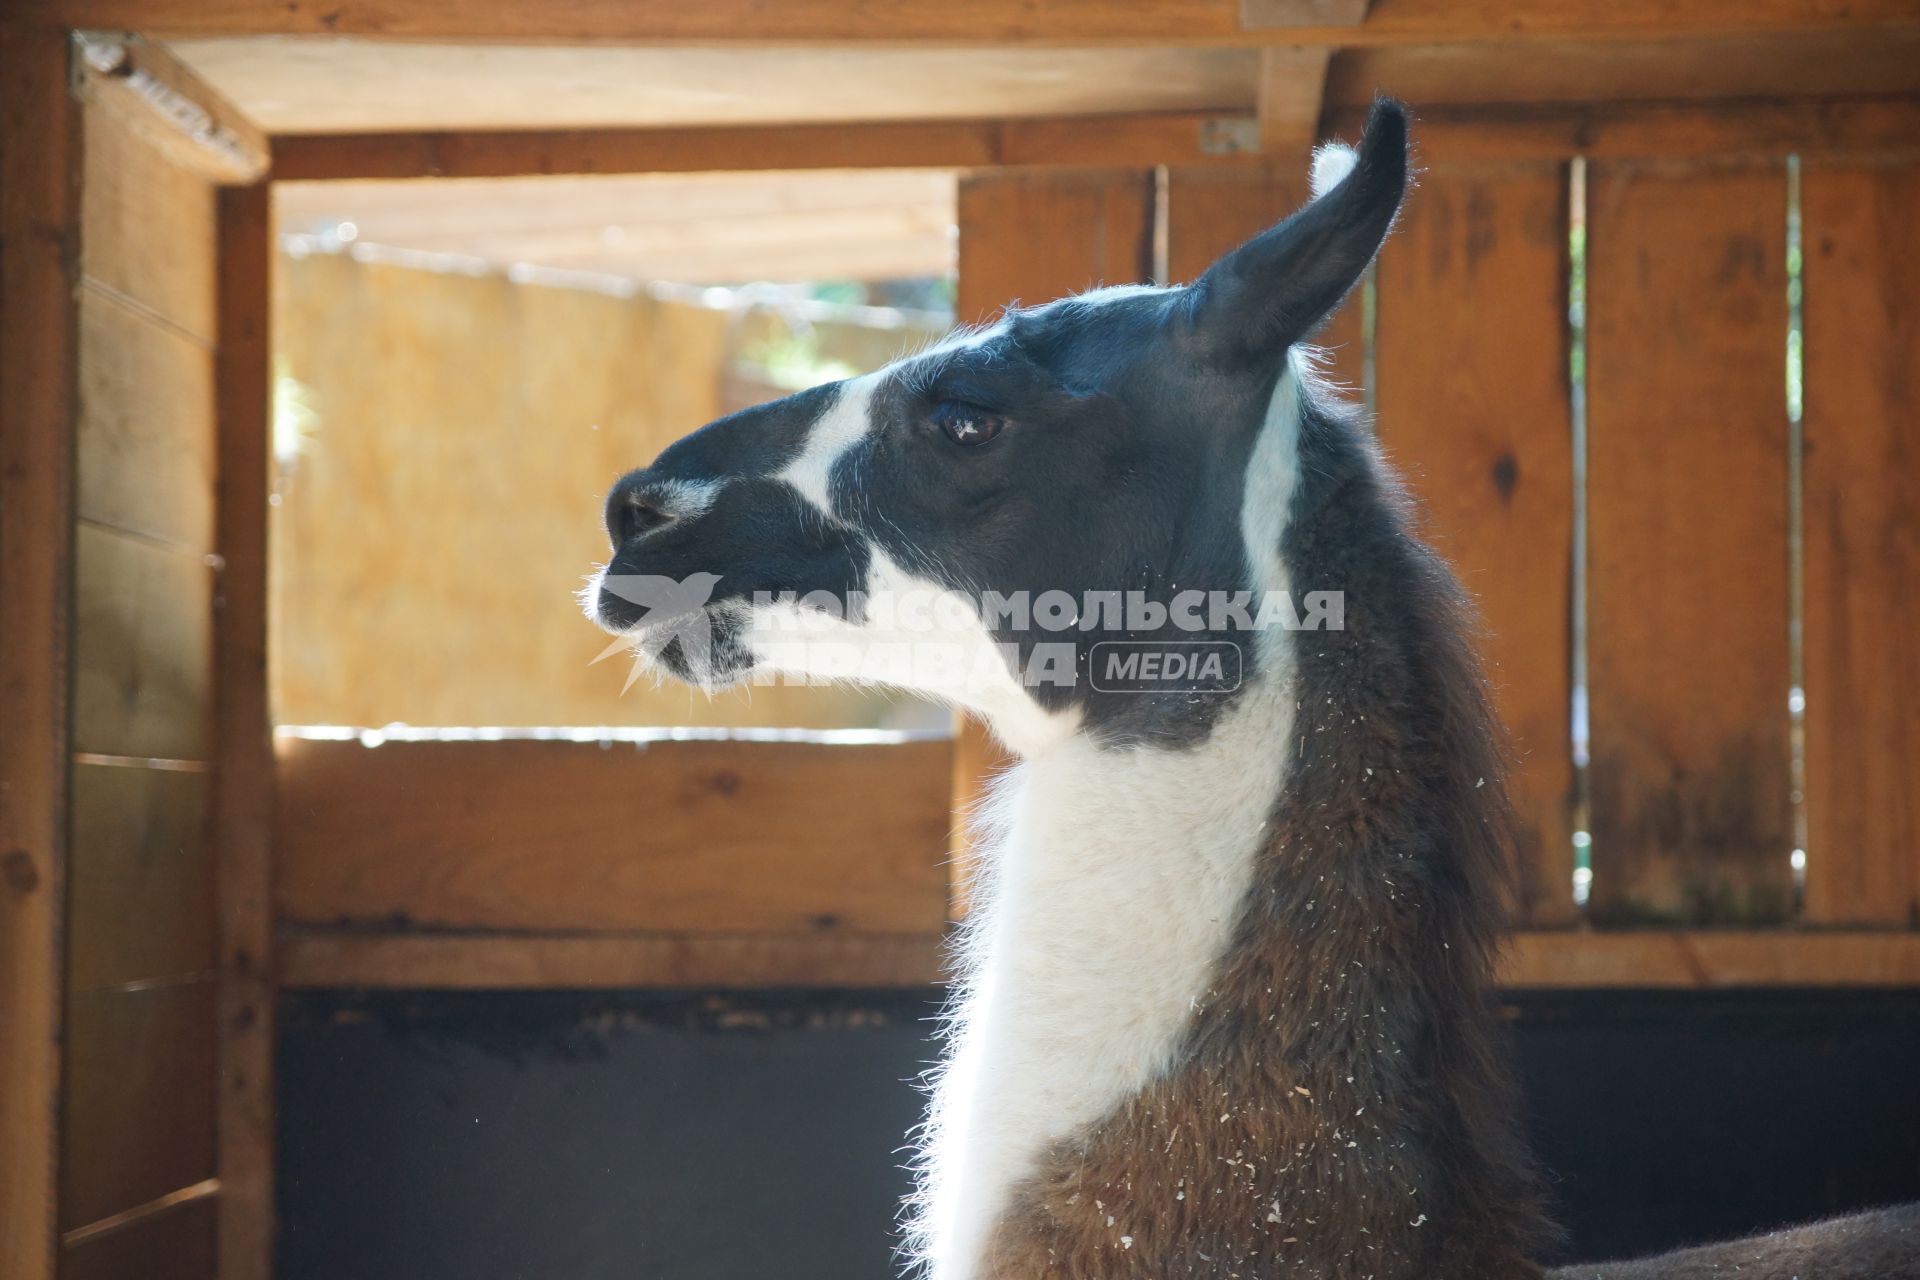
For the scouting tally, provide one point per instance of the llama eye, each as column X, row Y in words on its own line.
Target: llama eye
column 966, row 424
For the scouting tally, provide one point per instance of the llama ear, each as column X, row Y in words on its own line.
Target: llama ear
column 1276, row 289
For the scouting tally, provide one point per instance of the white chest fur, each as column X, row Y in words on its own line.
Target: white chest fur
column 1117, row 878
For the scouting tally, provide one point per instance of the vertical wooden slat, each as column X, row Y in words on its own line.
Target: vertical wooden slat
column 1476, row 416
column 1688, row 588
column 1210, row 211
column 1031, row 237
column 1862, row 522
column 243, row 805
column 40, row 164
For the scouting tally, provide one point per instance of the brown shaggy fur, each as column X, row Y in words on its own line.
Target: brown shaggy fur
column 1882, row 1245
column 1339, row 1109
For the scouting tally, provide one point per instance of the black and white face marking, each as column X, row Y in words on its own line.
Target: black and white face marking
column 1096, row 445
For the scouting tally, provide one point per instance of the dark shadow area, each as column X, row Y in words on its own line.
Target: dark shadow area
column 595, row 1136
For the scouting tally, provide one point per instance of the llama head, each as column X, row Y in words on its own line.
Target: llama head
column 976, row 521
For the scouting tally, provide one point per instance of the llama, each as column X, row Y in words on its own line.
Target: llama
column 1224, row 999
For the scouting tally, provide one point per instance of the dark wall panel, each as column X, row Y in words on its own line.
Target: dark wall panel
column 597, row 1136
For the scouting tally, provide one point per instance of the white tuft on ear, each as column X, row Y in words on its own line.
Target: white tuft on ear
column 1332, row 161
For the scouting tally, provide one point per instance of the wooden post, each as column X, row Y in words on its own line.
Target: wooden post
column 243, row 810
column 39, row 226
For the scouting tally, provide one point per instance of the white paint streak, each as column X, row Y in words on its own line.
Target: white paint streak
column 1114, row 882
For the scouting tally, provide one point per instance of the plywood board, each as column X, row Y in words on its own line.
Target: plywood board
column 1688, row 587
column 143, row 650
column 175, row 1243
column 146, row 425
column 138, row 1117
column 1862, row 504
column 1477, row 421
column 148, row 233
column 141, row 883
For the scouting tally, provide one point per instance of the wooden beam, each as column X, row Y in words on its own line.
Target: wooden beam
column 40, row 160
column 1709, row 959
column 1257, row 15
column 1190, row 138
column 1063, row 22
column 187, row 118
column 1535, row 959
column 624, row 960
column 244, row 788
column 1293, row 83
column 1674, row 131
column 654, row 836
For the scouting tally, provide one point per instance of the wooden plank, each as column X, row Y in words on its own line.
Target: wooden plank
column 138, row 1116
column 1034, row 237
column 664, row 836
column 1256, row 14
column 1709, row 959
column 1089, row 22
column 1479, row 426
column 1198, row 138
column 176, row 112
column 1291, row 89
column 40, row 166
column 143, row 648
column 175, row 1243
column 296, row 86
column 1670, row 70
column 244, row 799
column 147, row 234
column 330, row 958
column 1687, row 594
column 1720, row 131
column 146, row 426
column 1533, row 959
column 1862, row 523
column 140, row 879
column 1210, row 211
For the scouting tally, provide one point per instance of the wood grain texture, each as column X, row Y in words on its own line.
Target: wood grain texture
column 1182, row 137
column 40, row 165
column 1862, row 522
column 1744, row 67
column 146, row 426
column 140, row 880
column 143, row 649
column 244, row 795
column 177, row 113
column 694, row 836
column 1534, row 959
column 1477, row 421
column 138, row 1116
column 1089, row 22
column 760, row 961
column 175, row 1243
column 148, row 232
column 1665, row 131
column 1688, row 588
column 1709, row 959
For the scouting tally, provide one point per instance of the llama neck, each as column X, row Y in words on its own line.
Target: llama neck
column 1225, row 1005
column 1118, row 880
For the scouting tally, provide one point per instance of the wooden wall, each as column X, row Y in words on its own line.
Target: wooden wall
column 137, row 1160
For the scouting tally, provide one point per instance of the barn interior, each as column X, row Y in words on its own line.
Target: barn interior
column 358, row 920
